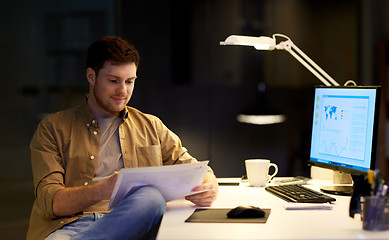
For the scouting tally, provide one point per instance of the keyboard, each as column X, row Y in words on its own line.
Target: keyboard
column 299, row 194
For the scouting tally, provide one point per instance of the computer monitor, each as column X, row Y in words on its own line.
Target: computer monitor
column 344, row 130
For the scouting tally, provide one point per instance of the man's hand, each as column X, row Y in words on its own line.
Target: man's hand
column 108, row 185
column 205, row 199
column 71, row 200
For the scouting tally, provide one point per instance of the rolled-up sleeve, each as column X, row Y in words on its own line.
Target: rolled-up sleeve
column 47, row 169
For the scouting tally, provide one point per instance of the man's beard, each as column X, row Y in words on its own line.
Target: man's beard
column 106, row 105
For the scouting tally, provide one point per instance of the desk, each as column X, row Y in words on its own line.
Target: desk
column 282, row 224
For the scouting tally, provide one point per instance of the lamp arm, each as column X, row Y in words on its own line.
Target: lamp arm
column 307, row 62
column 329, row 78
column 320, row 77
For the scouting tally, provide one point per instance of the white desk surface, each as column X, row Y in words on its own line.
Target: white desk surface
column 281, row 224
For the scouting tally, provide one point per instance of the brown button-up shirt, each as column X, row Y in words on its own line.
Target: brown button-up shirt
column 64, row 153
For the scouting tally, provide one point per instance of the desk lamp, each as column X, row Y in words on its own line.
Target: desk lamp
column 268, row 43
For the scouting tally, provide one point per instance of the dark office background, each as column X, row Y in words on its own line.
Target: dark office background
column 196, row 86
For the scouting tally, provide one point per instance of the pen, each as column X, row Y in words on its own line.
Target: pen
column 370, row 176
column 385, row 190
column 380, row 186
column 377, row 181
column 99, row 179
column 370, row 180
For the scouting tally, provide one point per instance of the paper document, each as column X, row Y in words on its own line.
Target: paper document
column 307, row 206
column 173, row 181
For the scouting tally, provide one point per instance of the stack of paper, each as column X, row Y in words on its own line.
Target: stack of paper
column 173, row 181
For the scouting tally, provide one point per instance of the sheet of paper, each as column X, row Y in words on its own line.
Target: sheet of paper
column 307, row 206
column 173, row 181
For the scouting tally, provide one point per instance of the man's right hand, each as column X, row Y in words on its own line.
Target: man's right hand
column 108, row 185
column 71, row 200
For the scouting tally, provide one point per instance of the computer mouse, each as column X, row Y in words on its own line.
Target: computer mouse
column 246, row 212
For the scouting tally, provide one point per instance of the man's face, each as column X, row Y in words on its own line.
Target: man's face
column 113, row 87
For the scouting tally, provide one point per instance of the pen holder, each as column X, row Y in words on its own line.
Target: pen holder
column 375, row 213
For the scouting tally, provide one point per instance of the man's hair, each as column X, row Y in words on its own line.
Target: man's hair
column 115, row 49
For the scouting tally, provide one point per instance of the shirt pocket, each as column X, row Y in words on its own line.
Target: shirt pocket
column 149, row 156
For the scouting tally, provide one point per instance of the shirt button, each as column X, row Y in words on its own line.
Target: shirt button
column 85, row 183
column 62, row 222
column 92, row 157
column 87, row 124
column 94, row 132
column 93, row 121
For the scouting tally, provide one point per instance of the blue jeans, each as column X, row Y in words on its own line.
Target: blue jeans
column 138, row 216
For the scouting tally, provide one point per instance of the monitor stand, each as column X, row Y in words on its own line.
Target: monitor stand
column 344, row 185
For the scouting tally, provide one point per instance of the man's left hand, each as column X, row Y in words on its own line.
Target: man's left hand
column 205, row 199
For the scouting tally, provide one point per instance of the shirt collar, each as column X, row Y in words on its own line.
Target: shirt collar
column 86, row 114
column 124, row 113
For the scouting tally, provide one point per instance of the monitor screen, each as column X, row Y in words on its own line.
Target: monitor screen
column 344, row 128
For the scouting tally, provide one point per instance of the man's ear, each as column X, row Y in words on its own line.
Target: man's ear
column 91, row 76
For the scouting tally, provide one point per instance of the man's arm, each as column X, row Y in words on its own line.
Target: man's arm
column 71, row 200
column 205, row 199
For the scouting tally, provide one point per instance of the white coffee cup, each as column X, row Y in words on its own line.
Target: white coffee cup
column 258, row 171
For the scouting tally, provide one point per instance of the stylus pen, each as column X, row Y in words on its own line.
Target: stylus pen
column 370, row 180
column 380, row 187
column 385, row 190
column 377, row 182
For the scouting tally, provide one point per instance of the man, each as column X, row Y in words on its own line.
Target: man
column 76, row 154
